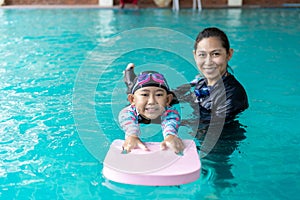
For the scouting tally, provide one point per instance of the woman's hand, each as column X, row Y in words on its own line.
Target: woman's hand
column 132, row 142
column 173, row 142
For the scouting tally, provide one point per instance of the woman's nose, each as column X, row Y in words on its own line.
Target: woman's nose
column 208, row 59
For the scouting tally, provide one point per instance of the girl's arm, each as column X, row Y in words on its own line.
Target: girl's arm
column 128, row 120
column 170, row 125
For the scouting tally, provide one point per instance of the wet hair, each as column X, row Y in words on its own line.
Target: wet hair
column 213, row 32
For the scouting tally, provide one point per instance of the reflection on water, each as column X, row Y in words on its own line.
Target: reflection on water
column 42, row 52
column 218, row 159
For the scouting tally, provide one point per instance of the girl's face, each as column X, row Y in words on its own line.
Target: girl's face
column 150, row 102
column 211, row 58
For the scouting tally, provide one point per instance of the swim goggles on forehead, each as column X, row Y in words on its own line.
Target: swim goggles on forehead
column 149, row 79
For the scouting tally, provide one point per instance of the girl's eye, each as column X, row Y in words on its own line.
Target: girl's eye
column 160, row 94
column 144, row 94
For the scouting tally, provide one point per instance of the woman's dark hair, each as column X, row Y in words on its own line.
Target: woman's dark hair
column 213, row 32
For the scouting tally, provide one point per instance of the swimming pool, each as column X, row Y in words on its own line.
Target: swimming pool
column 61, row 88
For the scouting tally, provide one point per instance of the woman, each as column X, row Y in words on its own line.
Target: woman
column 220, row 98
column 212, row 53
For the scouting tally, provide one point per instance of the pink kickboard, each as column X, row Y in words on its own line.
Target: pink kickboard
column 153, row 168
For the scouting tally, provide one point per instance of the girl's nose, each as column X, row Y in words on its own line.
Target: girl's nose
column 151, row 99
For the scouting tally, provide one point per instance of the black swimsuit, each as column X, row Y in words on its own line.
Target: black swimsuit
column 219, row 105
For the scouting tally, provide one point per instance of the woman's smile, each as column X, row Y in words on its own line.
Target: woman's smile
column 209, row 70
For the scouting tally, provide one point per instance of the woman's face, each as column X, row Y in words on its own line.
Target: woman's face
column 211, row 58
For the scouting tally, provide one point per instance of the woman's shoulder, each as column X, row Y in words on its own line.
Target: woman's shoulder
column 231, row 82
column 235, row 90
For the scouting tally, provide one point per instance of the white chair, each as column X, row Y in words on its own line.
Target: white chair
column 176, row 5
column 196, row 3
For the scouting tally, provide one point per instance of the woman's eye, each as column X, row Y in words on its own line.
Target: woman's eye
column 216, row 54
column 202, row 55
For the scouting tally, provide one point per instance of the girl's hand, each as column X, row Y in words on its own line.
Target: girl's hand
column 173, row 142
column 132, row 142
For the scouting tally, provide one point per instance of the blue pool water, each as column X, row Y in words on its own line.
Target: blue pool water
column 61, row 89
